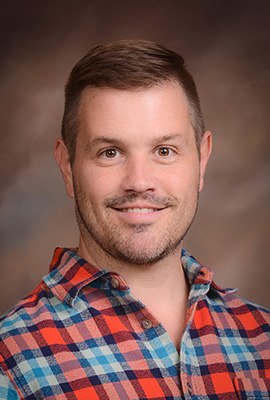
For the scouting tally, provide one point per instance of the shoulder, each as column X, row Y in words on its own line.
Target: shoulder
column 24, row 315
column 17, row 331
column 235, row 312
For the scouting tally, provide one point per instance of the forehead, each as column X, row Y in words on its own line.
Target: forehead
column 159, row 108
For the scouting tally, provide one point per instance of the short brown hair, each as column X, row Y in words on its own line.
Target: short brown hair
column 127, row 64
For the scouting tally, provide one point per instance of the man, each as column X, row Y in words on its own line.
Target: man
column 129, row 314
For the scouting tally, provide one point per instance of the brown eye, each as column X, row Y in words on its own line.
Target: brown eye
column 164, row 151
column 110, row 153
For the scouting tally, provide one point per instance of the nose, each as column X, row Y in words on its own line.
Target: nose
column 139, row 175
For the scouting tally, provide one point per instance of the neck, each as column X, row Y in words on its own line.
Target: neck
column 165, row 272
column 162, row 286
column 146, row 282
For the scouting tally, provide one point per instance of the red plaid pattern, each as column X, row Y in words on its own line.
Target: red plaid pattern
column 78, row 337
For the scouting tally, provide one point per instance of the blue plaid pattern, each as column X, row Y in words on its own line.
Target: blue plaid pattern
column 78, row 337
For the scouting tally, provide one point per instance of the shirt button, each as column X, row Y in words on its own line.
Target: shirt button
column 201, row 273
column 147, row 324
column 115, row 282
column 189, row 388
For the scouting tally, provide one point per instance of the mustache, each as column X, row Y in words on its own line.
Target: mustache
column 157, row 201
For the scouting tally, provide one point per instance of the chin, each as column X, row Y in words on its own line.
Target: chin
column 143, row 256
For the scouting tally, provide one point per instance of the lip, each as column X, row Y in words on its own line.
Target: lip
column 139, row 214
column 143, row 210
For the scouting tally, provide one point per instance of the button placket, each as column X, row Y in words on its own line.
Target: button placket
column 147, row 324
column 201, row 273
column 115, row 282
column 189, row 388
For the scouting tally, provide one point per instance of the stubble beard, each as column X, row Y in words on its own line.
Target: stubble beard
column 147, row 249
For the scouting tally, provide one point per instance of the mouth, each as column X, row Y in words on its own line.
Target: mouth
column 138, row 210
column 132, row 204
column 139, row 214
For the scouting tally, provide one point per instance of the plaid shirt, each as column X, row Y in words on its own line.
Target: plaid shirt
column 82, row 335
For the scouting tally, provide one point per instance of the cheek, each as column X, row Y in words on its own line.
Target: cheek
column 181, row 182
column 97, row 184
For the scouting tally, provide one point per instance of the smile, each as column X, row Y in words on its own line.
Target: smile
column 138, row 210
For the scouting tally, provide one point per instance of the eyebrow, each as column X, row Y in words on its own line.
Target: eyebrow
column 171, row 136
column 103, row 139
column 120, row 142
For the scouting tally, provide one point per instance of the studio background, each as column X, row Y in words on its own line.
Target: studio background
column 226, row 47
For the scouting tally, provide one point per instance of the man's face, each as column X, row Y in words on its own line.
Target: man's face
column 136, row 174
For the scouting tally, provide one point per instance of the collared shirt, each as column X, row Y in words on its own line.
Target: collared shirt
column 82, row 335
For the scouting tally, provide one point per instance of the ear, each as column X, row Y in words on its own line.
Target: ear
column 62, row 158
column 205, row 151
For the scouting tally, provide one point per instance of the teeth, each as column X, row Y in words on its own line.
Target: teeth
column 139, row 210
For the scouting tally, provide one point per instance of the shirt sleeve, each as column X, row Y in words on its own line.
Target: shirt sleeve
column 7, row 391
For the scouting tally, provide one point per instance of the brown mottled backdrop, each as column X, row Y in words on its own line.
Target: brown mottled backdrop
column 226, row 45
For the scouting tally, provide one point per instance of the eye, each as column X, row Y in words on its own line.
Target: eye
column 164, row 151
column 109, row 153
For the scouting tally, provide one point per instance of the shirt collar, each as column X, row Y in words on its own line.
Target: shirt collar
column 200, row 277
column 69, row 273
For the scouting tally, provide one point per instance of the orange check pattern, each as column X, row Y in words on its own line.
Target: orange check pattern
column 82, row 335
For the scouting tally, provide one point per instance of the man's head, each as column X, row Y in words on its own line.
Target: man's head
column 133, row 152
column 127, row 64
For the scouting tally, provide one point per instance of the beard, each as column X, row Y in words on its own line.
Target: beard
column 137, row 244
